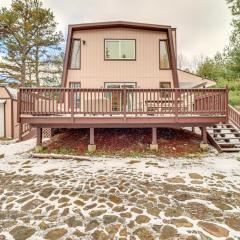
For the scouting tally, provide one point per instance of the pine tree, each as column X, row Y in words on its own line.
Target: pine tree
column 30, row 43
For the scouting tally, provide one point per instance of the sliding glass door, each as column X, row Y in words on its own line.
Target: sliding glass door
column 117, row 96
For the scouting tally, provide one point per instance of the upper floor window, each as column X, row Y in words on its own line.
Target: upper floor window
column 120, row 49
column 75, row 54
column 164, row 55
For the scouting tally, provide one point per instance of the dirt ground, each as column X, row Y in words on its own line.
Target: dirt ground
column 122, row 142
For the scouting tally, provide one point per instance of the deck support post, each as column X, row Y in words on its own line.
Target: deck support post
column 204, row 145
column 92, row 146
column 52, row 132
column 204, row 135
column 39, row 136
column 154, row 145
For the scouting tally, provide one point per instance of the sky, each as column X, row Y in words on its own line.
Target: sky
column 203, row 26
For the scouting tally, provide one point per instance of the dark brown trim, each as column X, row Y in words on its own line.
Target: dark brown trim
column 165, row 82
column 110, row 122
column 66, row 57
column 168, row 52
column 175, row 33
column 70, row 56
column 119, row 24
column 120, row 59
column 173, row 59
column 74, row 82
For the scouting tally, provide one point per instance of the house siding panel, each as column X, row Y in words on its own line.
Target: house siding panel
column 95, row 70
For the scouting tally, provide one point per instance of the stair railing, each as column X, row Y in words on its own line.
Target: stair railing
column 234, row 116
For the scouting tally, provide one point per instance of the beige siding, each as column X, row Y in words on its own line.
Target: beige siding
column 15, row 123
column 193, row 80
column 8, row 111
column 12, row 126
column 95, row 71
column 3, row 93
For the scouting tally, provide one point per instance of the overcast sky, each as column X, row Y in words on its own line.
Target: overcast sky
column 203, row 26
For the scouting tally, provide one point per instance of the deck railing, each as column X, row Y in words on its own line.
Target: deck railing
column 124, row 101
column 234, row 116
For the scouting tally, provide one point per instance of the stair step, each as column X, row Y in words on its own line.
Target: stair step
column 223, row 139
column 219, row 129
column 222, row 127
column 226, row 138
column 230, row 149
column 224, row 124
column 229, row 144
column 234, row 133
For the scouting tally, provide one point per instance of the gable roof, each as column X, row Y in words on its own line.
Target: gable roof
column 119, row 24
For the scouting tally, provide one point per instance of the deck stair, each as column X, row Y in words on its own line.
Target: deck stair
column 225, row 137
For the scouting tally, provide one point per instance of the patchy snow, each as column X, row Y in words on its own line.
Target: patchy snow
column 17, row 147
column 75, row 175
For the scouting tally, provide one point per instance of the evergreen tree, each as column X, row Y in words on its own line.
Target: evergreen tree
column 30, row 43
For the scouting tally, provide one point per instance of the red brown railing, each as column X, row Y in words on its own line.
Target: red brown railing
column 124, row 101
column 234, row 116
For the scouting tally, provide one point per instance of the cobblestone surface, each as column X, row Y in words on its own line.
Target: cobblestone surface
column 112, row 198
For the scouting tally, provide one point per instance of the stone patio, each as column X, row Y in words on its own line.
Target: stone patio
column 113, row 198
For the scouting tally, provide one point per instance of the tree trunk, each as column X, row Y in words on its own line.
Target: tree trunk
column 23, row 67
column 37, row 66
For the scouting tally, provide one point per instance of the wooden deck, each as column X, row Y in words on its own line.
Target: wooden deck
column 126, row 107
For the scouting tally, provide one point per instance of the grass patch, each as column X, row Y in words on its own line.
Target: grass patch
column 234, row 91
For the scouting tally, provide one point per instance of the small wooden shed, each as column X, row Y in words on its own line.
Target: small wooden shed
column 9, row 128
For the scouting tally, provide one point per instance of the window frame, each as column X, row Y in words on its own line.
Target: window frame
column 166, row 94
column 71, row 82
column 71, row 51
column 76, row 104
column 168, row 51
column 120, row 59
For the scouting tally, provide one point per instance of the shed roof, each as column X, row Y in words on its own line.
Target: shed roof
column 11, row 91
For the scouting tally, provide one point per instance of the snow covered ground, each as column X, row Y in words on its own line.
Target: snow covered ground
column 118, row 198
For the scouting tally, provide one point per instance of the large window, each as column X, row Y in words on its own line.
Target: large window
column 75, row 54
column 120, row 49
column 164, row 55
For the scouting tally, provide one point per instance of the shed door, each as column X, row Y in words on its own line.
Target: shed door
column 2, row 120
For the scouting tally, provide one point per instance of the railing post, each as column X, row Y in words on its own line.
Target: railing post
column 72, row 104
column 18, row 106
column 226, row 104
column 176, row 103
column 124, row 102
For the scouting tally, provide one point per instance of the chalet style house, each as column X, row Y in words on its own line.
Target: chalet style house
column 123, row 75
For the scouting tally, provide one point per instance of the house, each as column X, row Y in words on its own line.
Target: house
column 123, row 74
column 8, row 112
